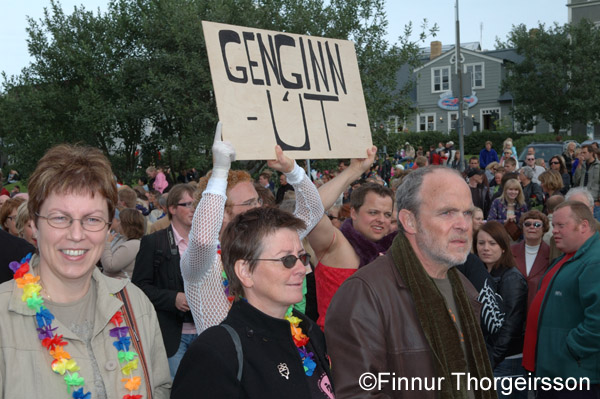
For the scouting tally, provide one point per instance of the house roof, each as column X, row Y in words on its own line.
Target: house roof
column 449, row 53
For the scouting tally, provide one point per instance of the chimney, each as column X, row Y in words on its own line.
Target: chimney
column 436, row 49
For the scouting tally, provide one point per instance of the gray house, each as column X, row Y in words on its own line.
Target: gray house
column 436, row 102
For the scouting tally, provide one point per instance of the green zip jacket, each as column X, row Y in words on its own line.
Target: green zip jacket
column 568, row 342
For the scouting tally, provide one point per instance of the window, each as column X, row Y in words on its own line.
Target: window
column 452, row 117
column 426, row 122
column 476, row 71
column 395, row 125
column 440, row 79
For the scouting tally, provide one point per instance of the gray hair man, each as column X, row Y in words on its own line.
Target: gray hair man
column 410, row 313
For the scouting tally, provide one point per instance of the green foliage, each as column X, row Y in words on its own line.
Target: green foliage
column 559, row 78
column 134, row 80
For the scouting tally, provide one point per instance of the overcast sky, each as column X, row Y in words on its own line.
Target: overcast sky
column 497, row 19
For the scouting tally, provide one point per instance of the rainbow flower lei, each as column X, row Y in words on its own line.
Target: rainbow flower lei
column 301, row 339
column 63, row 364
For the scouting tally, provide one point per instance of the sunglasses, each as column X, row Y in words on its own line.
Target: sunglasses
column 554, row 163
column 537, row 225
column 289, row 261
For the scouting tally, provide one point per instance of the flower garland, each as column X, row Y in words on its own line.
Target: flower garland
column 63, row 364
column 301, row 339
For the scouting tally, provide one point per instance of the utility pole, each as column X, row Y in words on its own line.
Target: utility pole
column 460, row 119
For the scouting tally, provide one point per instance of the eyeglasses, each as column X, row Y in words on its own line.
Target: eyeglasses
column 537, row 225
column 554, row 163
column 189, row 205
column 289, row 261
column 530, row 159
column 254, row 202
column 89, row 223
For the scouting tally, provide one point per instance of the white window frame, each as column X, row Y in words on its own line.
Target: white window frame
column 452, row 117
column 426, row 116
column 473, row 66
column 441, row 70
column 394, row 123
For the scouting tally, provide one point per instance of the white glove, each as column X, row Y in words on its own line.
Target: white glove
column 223, row 155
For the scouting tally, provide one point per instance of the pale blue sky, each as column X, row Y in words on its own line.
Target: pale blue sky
column 497, row 18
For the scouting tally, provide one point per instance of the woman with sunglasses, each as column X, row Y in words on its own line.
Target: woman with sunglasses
column 557, row 163
column 532, row 254
column 505, row 346
column 262, row 349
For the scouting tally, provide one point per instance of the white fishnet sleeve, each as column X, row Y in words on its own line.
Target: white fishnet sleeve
column 201, row 267
column 309, row 207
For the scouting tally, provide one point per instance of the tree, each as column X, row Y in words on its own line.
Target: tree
column 136, row 77
column 558, row 78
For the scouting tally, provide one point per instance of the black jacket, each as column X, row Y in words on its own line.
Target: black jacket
column 158, row 274
column 11, row 249
column 508, row 341
column 209, row 367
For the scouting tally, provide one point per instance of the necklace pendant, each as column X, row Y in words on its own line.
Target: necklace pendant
column 284, row 371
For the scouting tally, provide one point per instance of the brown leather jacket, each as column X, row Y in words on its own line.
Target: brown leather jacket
column 372, row 326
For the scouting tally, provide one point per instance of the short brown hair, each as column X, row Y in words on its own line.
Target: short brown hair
column 553, row 202
column 265, row 194
column 128, row 196
column 535, row 214
column 132, row 223
column 498, row 234
column 72, row 169
column 510, row 161
column 7, row 208
column 357, row 198
column 580, row 212
column 175, row 195
column 552, row 180
column 421, row 161
column 243, row 239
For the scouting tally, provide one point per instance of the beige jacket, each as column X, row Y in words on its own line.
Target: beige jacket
column 25, row 364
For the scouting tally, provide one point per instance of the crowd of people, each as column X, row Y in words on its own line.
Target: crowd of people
column 412, row 269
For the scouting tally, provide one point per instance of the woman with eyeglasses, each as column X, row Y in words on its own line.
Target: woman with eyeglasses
column 532, row 255
column 557, row 163
column 263, row 349
column 67, row 330
column 505, row 346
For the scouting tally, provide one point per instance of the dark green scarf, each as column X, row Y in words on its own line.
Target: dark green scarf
column 439, row 328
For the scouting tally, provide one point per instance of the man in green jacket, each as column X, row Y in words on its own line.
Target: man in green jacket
column 562, row 340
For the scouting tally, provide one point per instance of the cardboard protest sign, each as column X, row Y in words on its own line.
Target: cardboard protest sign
column 301, row 92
